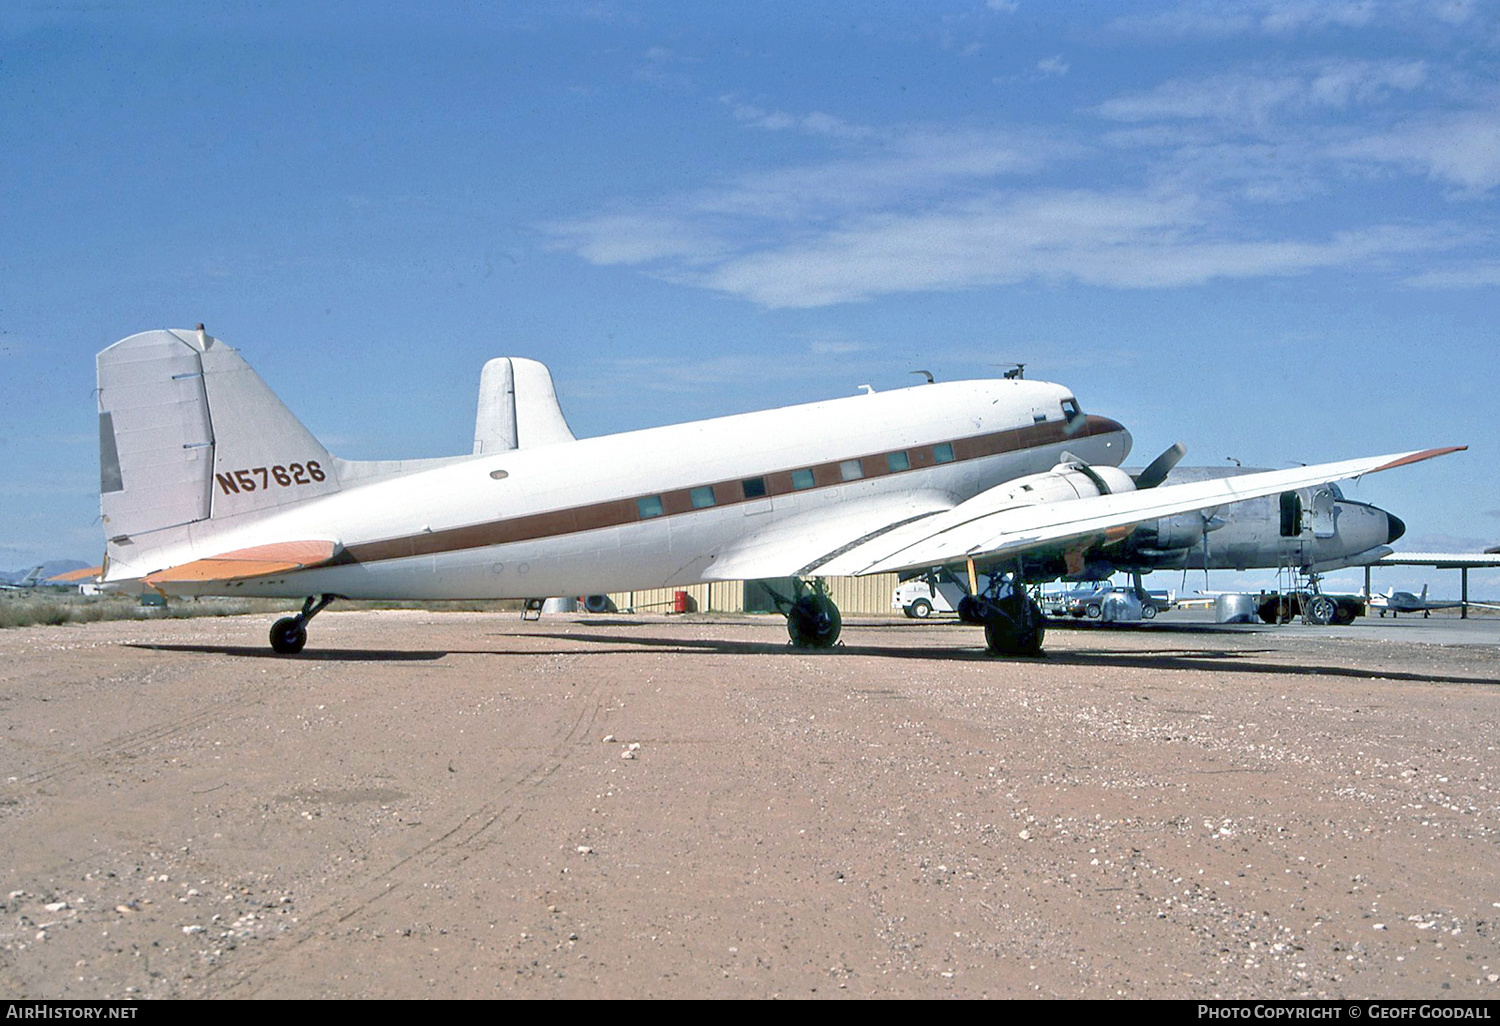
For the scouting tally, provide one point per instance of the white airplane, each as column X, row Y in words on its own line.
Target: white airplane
column 210, row 486
column 1398, row 602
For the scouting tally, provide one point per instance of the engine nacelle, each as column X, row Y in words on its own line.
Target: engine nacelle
column 1063, row 483
column 1169, row 533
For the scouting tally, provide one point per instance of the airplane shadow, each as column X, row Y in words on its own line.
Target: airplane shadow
column 1205, row 660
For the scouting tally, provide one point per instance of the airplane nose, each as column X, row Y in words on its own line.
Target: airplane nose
column 1397, row 527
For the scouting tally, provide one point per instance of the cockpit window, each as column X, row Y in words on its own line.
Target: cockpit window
column 1070, row 408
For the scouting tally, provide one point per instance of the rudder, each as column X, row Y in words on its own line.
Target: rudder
column 188, row 432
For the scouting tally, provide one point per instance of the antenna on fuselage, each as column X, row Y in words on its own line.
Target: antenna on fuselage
column 925, row 373
column 1016, row 373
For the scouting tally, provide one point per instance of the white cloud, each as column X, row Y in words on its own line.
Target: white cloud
column 1053, row 66
column 815, row 123
column 1253, row 100
column 635, row 238
column 1460, row 149
column 1479, row 275
column 1116, row 240
column 1218, row 19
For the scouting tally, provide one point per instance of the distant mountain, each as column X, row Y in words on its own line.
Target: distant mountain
column 50, row 568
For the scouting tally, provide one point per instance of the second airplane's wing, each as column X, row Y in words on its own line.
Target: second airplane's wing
column 991, row 527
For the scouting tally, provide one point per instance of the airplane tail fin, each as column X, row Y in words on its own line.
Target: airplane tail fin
column 518, row 407
column 1424, row 594
column 189, row 433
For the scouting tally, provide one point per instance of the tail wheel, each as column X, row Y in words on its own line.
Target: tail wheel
column 814, row 622
column 288, row 635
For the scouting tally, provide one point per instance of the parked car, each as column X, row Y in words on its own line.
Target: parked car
column 1115, row 602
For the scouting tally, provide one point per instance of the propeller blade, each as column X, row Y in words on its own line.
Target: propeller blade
column 1160, row 467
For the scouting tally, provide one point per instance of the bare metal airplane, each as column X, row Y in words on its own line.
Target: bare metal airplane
column 30, row 579
column 1315, row 530
column 210, row 486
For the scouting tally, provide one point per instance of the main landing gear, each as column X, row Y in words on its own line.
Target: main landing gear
column 1013, row 622
column 812, row 619
column 289, row 634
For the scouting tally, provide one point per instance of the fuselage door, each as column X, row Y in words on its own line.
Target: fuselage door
column 1324, row 513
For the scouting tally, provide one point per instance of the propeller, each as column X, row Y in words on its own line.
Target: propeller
column 1160, row 467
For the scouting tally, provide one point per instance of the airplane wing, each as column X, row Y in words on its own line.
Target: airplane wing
column 242, row 564
column 990, row 527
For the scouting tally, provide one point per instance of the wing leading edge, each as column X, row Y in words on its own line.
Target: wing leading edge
column 979, row 529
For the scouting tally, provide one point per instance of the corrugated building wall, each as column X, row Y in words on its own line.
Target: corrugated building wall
column 855, row 596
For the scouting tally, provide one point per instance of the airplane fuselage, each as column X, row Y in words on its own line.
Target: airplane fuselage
column 650, row 508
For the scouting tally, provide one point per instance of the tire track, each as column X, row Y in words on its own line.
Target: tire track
column 457, row 842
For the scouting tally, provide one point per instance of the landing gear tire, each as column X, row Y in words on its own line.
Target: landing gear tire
column 814, row 622
column 288, row 635
column 1322, row 610
column 921, row 609
column 1016, row 629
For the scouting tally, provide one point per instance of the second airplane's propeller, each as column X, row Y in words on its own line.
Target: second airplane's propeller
column 1160, row 467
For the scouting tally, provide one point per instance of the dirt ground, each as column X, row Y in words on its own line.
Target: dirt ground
column 455, row 805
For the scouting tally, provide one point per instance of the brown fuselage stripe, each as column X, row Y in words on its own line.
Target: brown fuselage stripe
column 678, row 502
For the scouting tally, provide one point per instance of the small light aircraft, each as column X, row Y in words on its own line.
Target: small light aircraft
column 1398, row 602
column 210, row 486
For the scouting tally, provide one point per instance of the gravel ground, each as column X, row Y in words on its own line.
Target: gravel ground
column 465, row 805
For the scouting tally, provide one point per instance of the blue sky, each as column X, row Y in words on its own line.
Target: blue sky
column 1267, row 229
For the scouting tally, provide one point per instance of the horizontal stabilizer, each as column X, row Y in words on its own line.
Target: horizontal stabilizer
column 241, row 564
column 86, row 574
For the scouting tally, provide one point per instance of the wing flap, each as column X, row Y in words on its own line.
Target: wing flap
column 242, row 564
column 796, row 545
column 975, row 529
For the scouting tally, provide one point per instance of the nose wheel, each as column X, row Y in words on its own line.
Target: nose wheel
column 289, row 634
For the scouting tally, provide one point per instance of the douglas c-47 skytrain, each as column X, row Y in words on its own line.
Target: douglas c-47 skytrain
column 210, row 486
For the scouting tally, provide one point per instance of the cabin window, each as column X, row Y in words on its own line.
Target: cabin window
column 897, row 461
column 851, row 470
column 942, row 453
column 1291, row 514
column 1039, row 418
column 649, row 507
column 703, row 497
column 499, row 475
column 1070, row 408
column 802, row 479
column 755, row 487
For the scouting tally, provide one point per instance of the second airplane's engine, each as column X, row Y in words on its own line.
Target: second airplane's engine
column 1155, row 538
